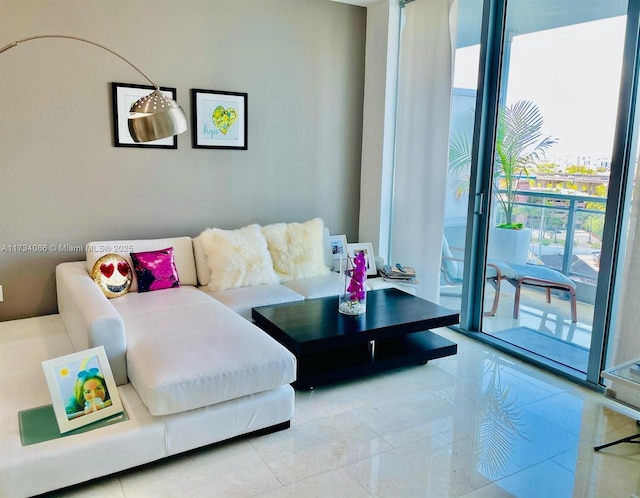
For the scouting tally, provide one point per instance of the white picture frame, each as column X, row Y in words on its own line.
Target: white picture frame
column 369, row 255
column 84, row 369
column 339, row 249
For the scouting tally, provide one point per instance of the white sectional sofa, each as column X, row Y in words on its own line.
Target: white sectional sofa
column 191, row 368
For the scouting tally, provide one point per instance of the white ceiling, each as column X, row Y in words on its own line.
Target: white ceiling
column 361, row 3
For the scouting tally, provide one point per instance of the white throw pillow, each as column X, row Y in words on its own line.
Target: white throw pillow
column 237, row 258
column 297, row 249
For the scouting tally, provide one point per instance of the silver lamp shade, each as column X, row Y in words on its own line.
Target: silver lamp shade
column 156, row 116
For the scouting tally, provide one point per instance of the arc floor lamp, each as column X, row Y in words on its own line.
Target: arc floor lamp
column 152, row 117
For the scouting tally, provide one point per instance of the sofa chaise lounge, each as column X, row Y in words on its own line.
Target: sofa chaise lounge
column 192, row 370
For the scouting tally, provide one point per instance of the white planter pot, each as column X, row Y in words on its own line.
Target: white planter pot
column 506, row 244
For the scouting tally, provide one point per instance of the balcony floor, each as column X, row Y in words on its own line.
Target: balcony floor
column 542, row 328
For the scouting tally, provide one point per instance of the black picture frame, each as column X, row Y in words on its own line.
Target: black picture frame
column 219, row 119
column 122, row 96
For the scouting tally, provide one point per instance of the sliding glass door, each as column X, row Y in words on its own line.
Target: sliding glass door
column 534, row 148
column 558, row 99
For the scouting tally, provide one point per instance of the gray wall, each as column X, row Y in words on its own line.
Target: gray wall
column 62, row 181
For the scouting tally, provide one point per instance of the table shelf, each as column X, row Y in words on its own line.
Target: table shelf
column 362, row 359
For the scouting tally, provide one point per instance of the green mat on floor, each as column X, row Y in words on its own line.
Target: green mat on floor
column 39, row 424
column 545, row 345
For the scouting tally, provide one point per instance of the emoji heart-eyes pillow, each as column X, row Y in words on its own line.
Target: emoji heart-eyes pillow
column 113, row 275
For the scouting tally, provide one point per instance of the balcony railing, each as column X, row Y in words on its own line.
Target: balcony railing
column 545, row 212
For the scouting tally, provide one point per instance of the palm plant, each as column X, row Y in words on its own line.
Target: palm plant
column 519, row 145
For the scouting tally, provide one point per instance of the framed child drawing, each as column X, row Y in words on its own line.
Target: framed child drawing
column 82, row 388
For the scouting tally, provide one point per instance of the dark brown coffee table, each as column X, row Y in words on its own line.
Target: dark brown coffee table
column 331, row 346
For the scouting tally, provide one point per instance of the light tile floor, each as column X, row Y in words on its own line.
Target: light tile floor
column 477, row 424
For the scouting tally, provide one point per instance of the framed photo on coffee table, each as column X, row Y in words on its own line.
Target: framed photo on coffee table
column 338, row 249
column 82, row 388
column 369, row 256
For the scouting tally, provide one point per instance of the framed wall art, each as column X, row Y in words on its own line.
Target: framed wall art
column 369, row 256
column 219, row 119
column 82, row 388
column 122, row 96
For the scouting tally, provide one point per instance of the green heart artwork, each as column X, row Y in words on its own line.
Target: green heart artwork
column 224, row 118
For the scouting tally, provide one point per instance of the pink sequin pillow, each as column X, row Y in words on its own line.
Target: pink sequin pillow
column 155, row 270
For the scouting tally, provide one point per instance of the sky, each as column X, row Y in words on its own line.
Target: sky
column 572, row 74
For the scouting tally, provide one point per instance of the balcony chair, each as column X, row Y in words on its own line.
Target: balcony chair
column 452, row 269
column 542, row 277
column 516, row 274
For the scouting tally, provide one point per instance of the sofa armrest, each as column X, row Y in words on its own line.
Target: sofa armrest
column 89, row 317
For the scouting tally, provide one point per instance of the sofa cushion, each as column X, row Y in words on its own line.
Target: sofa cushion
column 155, row 270
column 297, row 249
column 113, row 275
column 237, row 258
column 146, row 302
column 197, row 355
column 182, row 252
column 241, row 300
column 316, row 287
column 202, row 267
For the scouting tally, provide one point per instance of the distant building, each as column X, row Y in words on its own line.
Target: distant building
column 580, row 184
column 588, row 161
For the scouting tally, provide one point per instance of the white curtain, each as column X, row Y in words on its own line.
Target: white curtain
column 422, row 139
column 626, row 333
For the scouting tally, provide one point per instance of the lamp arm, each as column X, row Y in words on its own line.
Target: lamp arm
column 69, row 37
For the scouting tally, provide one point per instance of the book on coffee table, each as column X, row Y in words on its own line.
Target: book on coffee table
column 398, row 272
